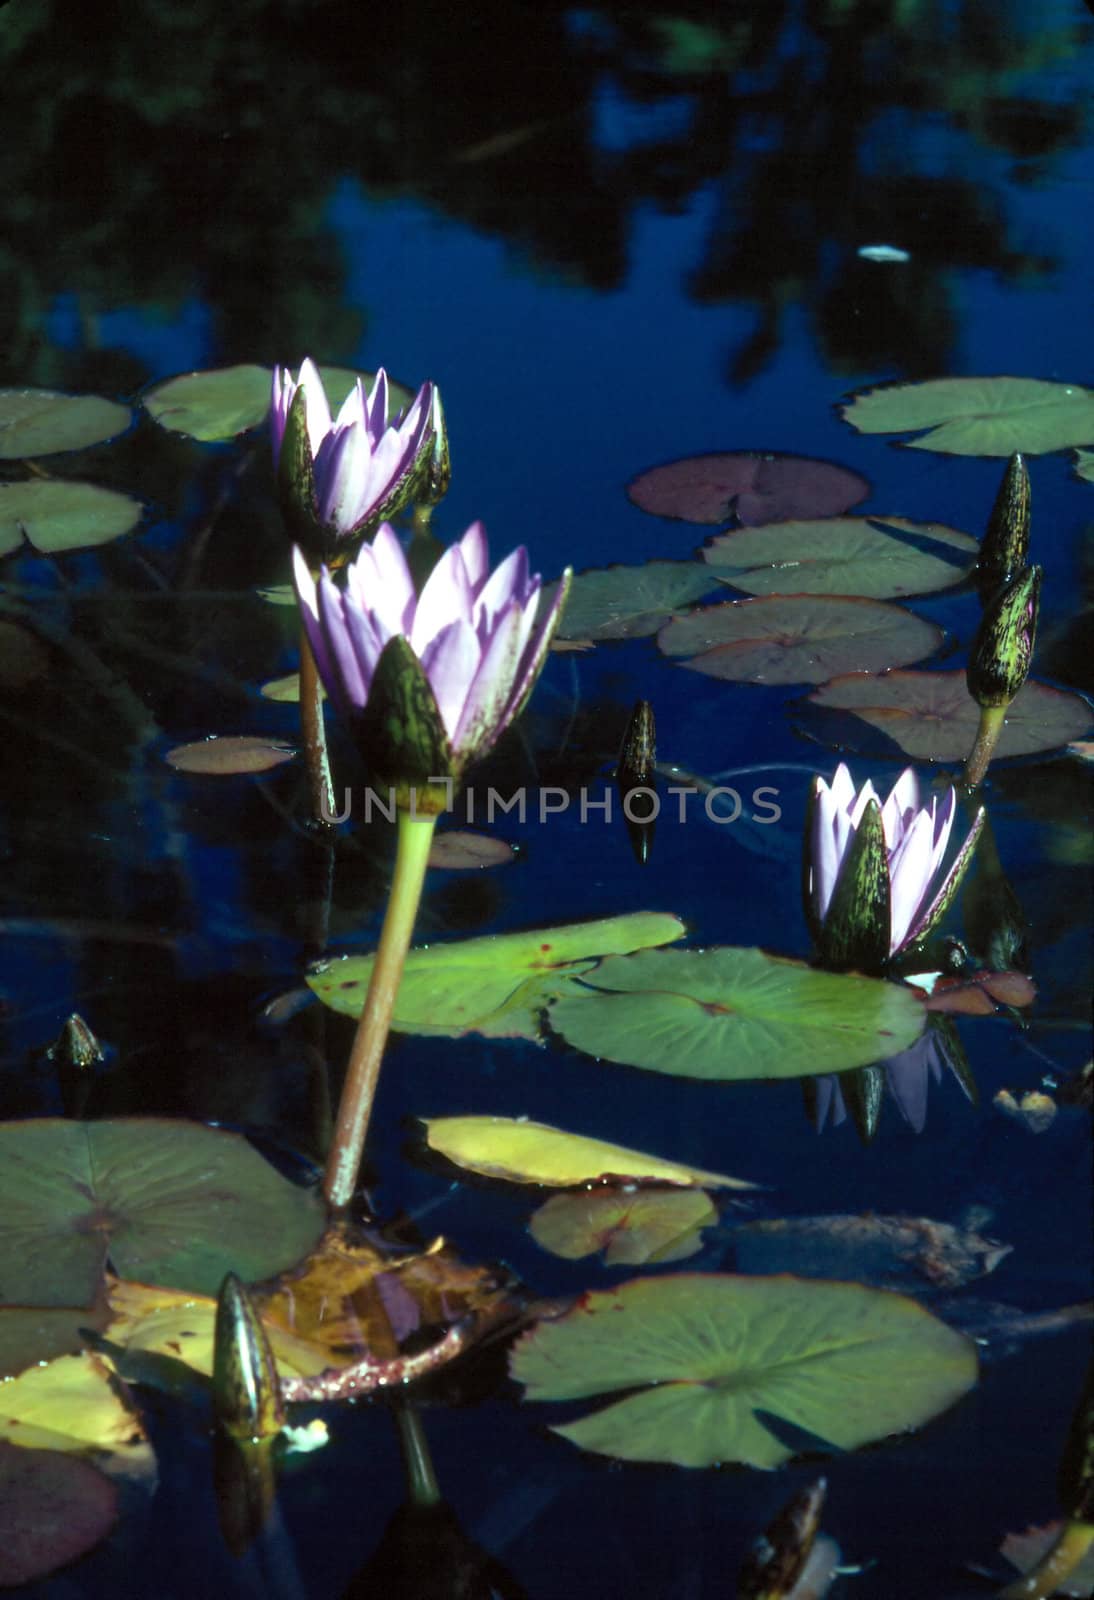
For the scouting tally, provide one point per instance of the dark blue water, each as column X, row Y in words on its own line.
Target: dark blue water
column 614, row 236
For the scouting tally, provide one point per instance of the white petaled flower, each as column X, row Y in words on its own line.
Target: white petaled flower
column 364, row 467
column 475, row 632
column 916, row 836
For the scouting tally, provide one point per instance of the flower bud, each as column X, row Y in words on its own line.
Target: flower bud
column 246, row 1392
column 1003, row 647
column 1004, row 547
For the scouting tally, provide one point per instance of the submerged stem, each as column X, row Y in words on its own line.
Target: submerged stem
column 314, row 731
column 363, row 1072
column 992, row 719
column 421, row 1480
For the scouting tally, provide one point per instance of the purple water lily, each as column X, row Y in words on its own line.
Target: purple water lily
column 908, row 1077
column 363, row 467
column 916, row 836
column 475, row 632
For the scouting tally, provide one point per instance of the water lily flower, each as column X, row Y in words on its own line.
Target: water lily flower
column 907, row 1078
column 870, row 867
column 340, row 476
column 435, row 678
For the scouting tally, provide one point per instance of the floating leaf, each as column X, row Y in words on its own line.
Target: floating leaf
column 734, row 1013
column 531, row 1152
column 759, row 488
column 75, row 1404
column 226, row 757
column 979, row 416
column 226, row 401
column 714, row 1356
column 29, row 1334
column 38, row 422
column 55, row 516
column 797, row 638
column 460, row 850
column 886, row 1252
column 1084, row 465
column 628, row 602
column 930, row 716
column 883, row 558
column 56, row 1508
column 278, row 594
column 165, row 1201
column 978, row 994
column 286, row 689
column 631, row 1227
column 494, row 985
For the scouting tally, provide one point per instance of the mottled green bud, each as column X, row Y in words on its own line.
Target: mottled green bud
column 1005, row 545
column 1003, row 647
column 855, row 932
column 246, row 1393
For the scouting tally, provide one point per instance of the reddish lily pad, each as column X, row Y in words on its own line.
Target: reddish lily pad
column 930, row 716
column 980, row 993
column 713, row 1356
column 165, row 1201
column 978, row 416
column 755, row 487
column 461, row 850
column 56, row 1508
column 879, row 558
column 227, row 757
column 631, row 1226
column 797, row 638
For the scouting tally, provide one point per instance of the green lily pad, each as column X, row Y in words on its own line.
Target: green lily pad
column 38, row 422
column 628, row 602
column 883, row 558
column 31, row 1334
column 797, row 638
column 278, row 594
column 734, row 1013
column 55, row 515
column 163, row 1201
column 979, row 416
column 631, row 1226
column 931, row 716
column 227, row 401
column 496, row 985
column 1084, row 465
column 519, row 1151
column 715, row 1356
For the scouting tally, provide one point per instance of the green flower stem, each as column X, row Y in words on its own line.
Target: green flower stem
column 421, row 1480
column 363, row 1072
column 992, row 719
column 315, row 734
column 1074, row 1540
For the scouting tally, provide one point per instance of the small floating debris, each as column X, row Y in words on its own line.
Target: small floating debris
column 1034, row 1110
column 882, row 252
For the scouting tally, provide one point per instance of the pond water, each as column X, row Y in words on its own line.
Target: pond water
column 615, row 236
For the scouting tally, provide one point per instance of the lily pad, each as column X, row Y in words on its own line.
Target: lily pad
column 734, row 1013
column 461, row 850
column 226, row 401
column 883, row 558
column 39, row 422
column 31, row 1334
column 757, row 487
column 797, row 638
column 631, row 1226
column 930, row 716
column 75, row 1404
column 285, row 690
column 494, row 985
column 56, row 1508
column 165, row 1201
column 715, row 1356
column 520, row 1151
column 227, row 757
column 628, row 602
column 1084, row 465
column 979, row 416
column 55, row 516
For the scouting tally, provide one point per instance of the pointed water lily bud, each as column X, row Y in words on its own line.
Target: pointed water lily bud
column 436, row 472
column 855, row 931
column 1003, row 647
column 338, row 479
column 76, row 1046
column 246, row 1393
column 1005, row 544
column 470, row 648
column 863, row 1091
column 245, row 1486
column 778, row 1558
column 636, row 780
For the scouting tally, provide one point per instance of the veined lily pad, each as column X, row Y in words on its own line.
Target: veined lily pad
column 883, row 558
column 797, row 638
column 715, row 1356
column 734, row 1013
column 39, row 422
column 56, row 1508
column 56, row 515
column 758, row 488
column 229, row 756
column 1084, row 465
column 165, row 1201
column 930, row 716
column 628, row 602
column 531, row 1152
column 494, row 985
column 631, row 1226
column 979, row 416
column 226, row 401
